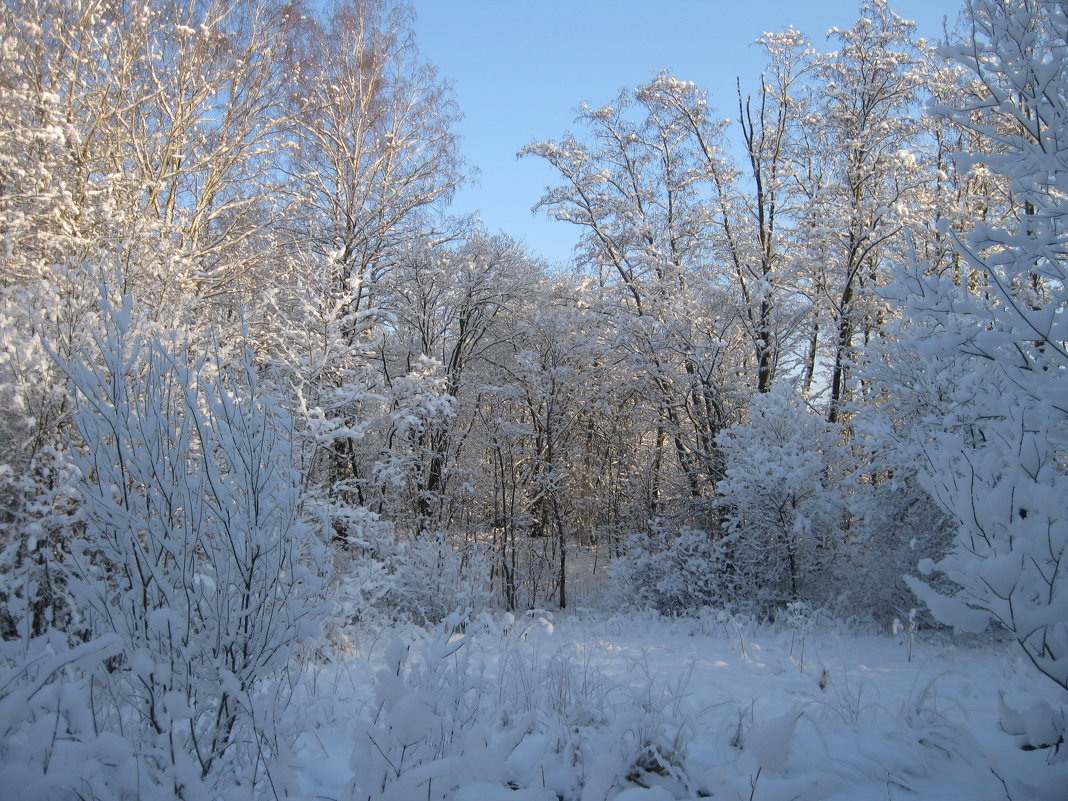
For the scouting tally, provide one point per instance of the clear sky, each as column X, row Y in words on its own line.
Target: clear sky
column 520, row 67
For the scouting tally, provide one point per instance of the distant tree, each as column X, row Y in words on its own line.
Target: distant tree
column 761, row 226
column 863, row 175
column 372, row 155
column 374, row 147
column 647, row 188
column 455, row 310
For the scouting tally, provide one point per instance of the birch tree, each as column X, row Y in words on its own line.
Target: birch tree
column 374, row 146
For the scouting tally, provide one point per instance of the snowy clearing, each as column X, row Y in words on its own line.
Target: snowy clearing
column 641, row 708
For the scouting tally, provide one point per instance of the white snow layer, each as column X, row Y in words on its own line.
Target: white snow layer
column 639, row 708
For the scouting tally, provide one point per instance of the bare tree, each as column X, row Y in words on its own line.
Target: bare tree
column 865, row 177
column 374, row 147
column 657, row 200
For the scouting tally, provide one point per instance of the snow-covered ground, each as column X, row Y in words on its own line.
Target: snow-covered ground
column 638, row 708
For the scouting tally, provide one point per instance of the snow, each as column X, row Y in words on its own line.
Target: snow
column 641, row 708
column 769, row 742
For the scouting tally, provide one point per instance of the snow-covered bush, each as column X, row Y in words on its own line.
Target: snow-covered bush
column 894, row 523
column 893, row 520
column 427, row 579
column 430, row 729
column 36, row 477
column 51, row 744
column 191, row 557
column 671, row 573
column 782, row 499
column 421, row 580
column 359, row 578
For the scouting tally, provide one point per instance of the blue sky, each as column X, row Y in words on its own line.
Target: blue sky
column 520, row 67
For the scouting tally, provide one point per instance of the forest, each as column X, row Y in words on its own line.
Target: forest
column 313, row 488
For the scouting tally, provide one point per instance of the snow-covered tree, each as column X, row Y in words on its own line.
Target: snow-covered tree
column 170, row 123
column 995, row 350
column 454, row 310
column 647, row 188
column 374, row 147
column 760, row 226
column 863, row 176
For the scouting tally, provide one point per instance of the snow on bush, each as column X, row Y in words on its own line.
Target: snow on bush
column 427, row 579
column 424, row 579
column 671, row 573
column 51, row 744
column 783, row 500
column 190, row 573
column 805, row 520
